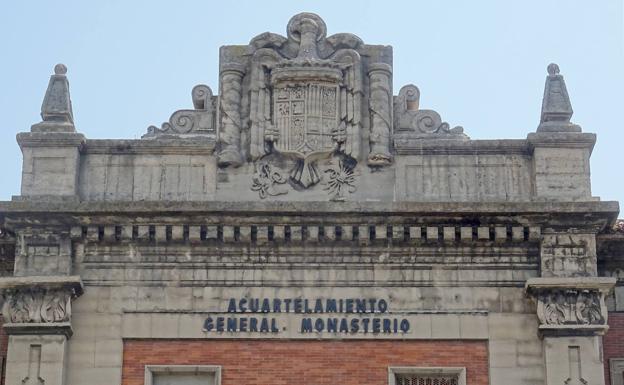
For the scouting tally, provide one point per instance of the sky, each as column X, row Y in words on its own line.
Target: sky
column 480, row 64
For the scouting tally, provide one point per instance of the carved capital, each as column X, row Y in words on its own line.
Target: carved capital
column 571, row 306
column 39, row 305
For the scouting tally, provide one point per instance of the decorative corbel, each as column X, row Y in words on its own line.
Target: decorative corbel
column 39, row 304
column 571, row 306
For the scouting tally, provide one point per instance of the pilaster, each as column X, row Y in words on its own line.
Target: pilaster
column 37, row 318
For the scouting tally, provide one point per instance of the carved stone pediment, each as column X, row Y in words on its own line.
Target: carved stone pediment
column 571, row 306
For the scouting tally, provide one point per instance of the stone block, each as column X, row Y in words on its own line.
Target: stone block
column 49, row 350
column 504, row 326
column 330, row 232
column 415, row 232
column 279, row 233
column 473, row 326
column 160, row 233
column 423, row 327
column 177, row 233
column 109, row 233
column 93, row 233
column 164, row 325
column 212, row 232
column 398, row 232
column 483, row 233
column 445, row 326
column 576, row 358
column 126, row 232
column 136, row 325
column 465, row 233
column 108, row 352
column 194, row 234
column 535, row 233
column 93, row 376
column 363, row 234
column 313, row 233
column 517, row 233
column 520, row 376
column 178, row 298
column 619, row 298
column 262, row 234
column 75, row 232
column 503, row 353
column 500, row 234
column 381, row 232
column 228, row 234
column 81, row 352
column 244, row 233
column 296, row 233
column 347, row 233
column 432, row 234
column 448, row 233
column 143, row 233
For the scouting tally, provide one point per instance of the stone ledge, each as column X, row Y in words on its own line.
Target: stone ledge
column 572, row 330
column 562, row 140
column 38, row 328
column 603, row 284
column 159, row 146
column 50, row 139
column 73, row 282
column 406, row 145
column 609, row 208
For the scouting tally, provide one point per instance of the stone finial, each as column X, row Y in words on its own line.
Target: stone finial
column 56, row 110
column 556, row 106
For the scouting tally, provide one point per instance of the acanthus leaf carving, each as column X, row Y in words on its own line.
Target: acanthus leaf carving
column 571, row 305
column 37, row 305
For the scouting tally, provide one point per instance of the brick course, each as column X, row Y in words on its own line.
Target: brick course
column 261, row 362
column 613, row 342
column 4, row 346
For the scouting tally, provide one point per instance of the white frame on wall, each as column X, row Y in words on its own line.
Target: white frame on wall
column 616, row 366
column 186, row 369
column 460, row 372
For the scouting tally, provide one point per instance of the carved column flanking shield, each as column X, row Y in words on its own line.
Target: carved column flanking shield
column 380, row 105
column 571, row 306
column 39, row 304
column 230, row 109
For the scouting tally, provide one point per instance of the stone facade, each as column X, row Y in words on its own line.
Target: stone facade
column 307, row 225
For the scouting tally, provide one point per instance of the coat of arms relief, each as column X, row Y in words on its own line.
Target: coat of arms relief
column 307, row 95
column 307, row 109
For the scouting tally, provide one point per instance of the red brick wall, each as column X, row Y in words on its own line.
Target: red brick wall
column 261, row 362
column 4, row 345
column 613, row 341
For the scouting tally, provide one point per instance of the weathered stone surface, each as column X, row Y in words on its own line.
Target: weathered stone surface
column 571, row 306
column 556, row 106
column 305, row 178
column 56, row 109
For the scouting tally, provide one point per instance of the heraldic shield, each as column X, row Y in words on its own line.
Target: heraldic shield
column 306, row 118
column 305, row 107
